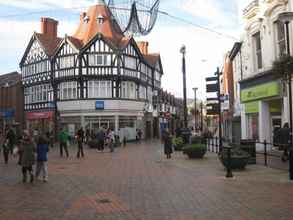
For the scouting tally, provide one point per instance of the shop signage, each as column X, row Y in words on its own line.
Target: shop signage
column 7, row 114
column 253, row 107
column 39, row 115
column 100, row 105
column 266, row 90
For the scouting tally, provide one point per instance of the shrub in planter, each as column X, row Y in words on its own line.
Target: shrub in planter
column 93, row 143
column 239, row 158
column 195, row 150
column 196, row 140
column 178, row 143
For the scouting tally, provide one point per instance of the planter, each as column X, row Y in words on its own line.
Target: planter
column 93, row 144
column 239, row 159
column 195, row 151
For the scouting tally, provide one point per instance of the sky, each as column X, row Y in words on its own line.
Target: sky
column 204, row 50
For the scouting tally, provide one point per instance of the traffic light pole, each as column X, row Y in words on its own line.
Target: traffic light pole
column 218, row 74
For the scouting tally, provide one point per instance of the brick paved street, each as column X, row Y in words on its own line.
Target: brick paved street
column 138, row 183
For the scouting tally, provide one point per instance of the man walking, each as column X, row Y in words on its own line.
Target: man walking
column 80, row 137
column 63, row 139
column 283, row 135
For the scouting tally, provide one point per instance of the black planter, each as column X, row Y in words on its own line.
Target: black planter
column 237, row 163
column 195, row 152
column 93, row 144
column 178, row 147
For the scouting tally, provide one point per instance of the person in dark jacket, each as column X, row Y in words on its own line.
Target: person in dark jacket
column 5, row 149
column 11, row 138
column 28, row 156
column 167, row 140
column 80, row 137
column 42, row 157
column 283, row 137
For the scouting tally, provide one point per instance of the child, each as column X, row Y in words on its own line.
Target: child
column 42, row 158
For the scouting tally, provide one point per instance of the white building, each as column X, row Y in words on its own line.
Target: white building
column 263, row 92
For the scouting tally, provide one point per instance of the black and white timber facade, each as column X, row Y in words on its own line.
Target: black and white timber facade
column 100, row 82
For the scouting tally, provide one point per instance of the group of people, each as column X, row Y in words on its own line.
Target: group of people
column 25, row 147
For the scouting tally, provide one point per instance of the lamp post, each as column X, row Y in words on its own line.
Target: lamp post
column 185, row 132
column 195, row 122
column 285, row 18
column 183, row 51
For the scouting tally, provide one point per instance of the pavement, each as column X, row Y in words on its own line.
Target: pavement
column 138, row 183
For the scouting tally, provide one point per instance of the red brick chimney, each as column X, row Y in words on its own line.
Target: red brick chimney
column 143, row 47
column 49, row 27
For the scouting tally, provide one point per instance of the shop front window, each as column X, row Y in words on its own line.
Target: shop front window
column 252, row 127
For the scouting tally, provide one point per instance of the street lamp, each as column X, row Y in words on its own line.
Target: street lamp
column 185, row 131
column 183, row 51
column 285, row 18
column 195, row 122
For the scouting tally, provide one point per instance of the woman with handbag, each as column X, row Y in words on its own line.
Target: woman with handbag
column 28, row 156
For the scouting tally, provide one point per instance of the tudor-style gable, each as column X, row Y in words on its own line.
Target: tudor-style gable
column 66, row 60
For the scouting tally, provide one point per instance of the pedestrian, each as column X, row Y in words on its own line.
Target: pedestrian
column 283, row 135
column 167, row 140
column 139, row 135
column 110, row 139
column 80, row 138
column 11, row 139
column 42, row 157
column 87, row 136
column 28, row 156
column 101, row 139
column 63, row 139
column 50, row 138
column 5, row 148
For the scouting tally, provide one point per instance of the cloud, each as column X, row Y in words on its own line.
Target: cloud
column 15, row 36
column 215, row 12
column 200, row 45
column 42, row 4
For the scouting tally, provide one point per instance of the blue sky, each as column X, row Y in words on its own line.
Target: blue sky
column 221, row 15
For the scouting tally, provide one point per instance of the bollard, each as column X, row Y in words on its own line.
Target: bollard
column 229, row 170
column 291, row 162
column 265, row 153
column 216, row 144
column 212, row 144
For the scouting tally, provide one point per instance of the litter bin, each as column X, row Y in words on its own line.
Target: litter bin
column 249, row 147
column 185, row 134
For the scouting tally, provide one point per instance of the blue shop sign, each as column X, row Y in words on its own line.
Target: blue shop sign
column 100, row 105
column 7, row 114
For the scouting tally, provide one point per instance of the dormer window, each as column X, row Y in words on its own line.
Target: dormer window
column 100, row 19
column 86, row 19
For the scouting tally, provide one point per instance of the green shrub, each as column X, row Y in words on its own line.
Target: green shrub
column 178, row 143
column 197, row 140
column 195, row 150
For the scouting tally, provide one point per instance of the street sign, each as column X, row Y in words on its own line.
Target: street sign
column 212, row 99
column 209, row 79
column 212, row 87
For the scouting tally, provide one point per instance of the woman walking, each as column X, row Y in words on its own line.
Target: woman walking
column 28, row 156
column 167, row 139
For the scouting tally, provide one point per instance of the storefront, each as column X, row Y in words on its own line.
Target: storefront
column 122, row 116
column 40, row 120
column 262, row 111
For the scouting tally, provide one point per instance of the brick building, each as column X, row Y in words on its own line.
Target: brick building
column 11, row 101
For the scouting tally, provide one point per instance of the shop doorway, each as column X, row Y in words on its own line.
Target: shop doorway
column 276, row 125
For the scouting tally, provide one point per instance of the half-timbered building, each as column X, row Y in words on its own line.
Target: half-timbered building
column 96, row 78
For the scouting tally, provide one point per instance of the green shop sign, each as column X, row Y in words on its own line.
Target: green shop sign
column 263, row 91
column 253, row 107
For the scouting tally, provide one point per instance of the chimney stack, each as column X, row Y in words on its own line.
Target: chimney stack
column 49, row 27
column 143, row 47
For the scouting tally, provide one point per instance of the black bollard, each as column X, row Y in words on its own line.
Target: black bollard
column 266, row 153
column 229, row 170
